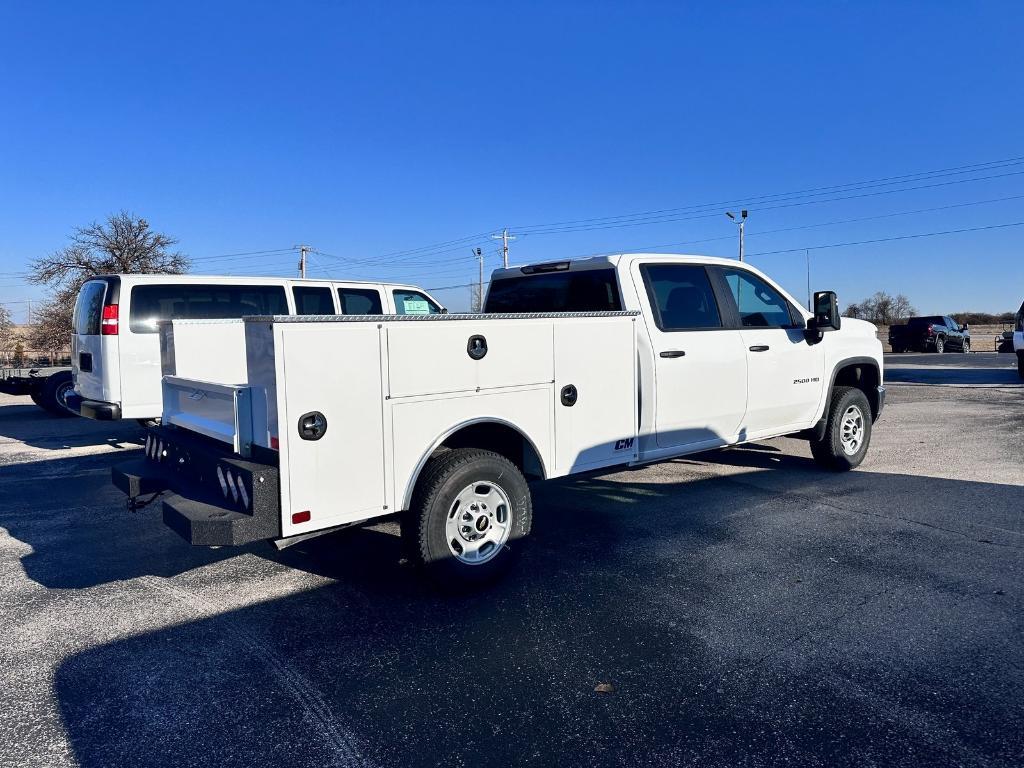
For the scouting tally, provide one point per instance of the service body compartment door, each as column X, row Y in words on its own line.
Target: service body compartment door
column 595, row 393
column 338, row 478
column 433, row 357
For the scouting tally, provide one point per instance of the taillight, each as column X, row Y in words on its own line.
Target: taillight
column 931, row 331
column 108, row 326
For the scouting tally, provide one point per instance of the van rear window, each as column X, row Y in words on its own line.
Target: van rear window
column 592, row 290
column 153, row 303
column 89, row 308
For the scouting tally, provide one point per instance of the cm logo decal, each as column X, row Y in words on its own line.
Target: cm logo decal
column 621, row 445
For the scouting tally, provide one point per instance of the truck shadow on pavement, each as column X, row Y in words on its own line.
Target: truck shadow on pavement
column 29, row 424
column 78, row 530
column 740, row 619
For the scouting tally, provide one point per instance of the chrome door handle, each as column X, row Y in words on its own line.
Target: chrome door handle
column 759, row 348
column 672, row 353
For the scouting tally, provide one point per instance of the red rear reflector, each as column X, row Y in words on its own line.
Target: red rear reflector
column 108, row 324
column 300, row 517
column 275, row 443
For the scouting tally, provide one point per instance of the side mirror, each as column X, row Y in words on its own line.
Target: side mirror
column 826, row 312
column 444, row 310
column 965, row 327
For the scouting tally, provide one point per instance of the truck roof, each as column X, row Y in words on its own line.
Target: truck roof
column 610, row 260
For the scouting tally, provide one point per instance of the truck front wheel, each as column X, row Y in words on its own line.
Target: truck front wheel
column 468, row 507
column 847, row 431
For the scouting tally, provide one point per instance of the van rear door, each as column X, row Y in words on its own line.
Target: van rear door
column 94, row 340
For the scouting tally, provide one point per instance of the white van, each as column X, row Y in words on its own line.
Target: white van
column 115, row 347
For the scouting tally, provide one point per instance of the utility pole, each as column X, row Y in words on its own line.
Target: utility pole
column 28, row 319
column 742, row 221
column 478, row 252
column 504, row 237
column 807, row 255
column 303, row 249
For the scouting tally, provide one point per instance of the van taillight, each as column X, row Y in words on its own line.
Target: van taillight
column 108, row 325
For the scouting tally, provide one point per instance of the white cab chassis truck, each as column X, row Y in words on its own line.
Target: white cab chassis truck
column 444, row 419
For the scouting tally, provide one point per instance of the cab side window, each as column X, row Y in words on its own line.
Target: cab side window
column 414, row 303
column 681, row 297
column 759, row 305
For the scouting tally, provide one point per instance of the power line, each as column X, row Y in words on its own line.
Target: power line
column 887, row 180
column 890, row 239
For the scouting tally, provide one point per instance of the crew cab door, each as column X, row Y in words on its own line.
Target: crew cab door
column 785, row 373
column 700, row 365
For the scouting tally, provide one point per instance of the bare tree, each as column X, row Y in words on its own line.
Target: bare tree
column 474, row 299
column 902, row 308
column 7, row 338
column 123, row 244
column 853, row 310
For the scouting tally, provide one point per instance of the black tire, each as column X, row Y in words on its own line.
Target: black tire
column 940, row 345
column 1020, row 364
column 37, row 397
column 830, row 452
column 424, row 525
column 897, row 350
column 148, row 423
column 54, row 389
column 965, row 346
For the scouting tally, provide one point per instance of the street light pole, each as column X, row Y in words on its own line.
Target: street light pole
column 742, row 222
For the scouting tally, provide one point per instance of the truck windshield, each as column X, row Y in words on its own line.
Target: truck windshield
column 89, row 308
column 592, row 290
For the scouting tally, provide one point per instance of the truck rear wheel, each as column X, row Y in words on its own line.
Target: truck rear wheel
column 468, row 506
column 55, row 389
column 847, row 431
column 940, row 345
column 1020, row 364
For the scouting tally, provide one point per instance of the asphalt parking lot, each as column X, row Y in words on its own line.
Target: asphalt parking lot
column 746, row 608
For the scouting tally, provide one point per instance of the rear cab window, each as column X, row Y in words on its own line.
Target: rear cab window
column 152, row 303
column 360, row 301
column 88, row 312
column 589, row 290
column 681, row 297
column 408, row 302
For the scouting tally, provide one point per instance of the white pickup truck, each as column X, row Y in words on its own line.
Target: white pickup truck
column 443, row 419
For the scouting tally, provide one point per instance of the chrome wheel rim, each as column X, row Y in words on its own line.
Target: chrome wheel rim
column 478, row 524
column 851, row 430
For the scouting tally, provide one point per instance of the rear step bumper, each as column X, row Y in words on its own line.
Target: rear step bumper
column 195, row 504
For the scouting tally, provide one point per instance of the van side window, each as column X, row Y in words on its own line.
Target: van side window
column 312, row 300
column 759, row 305
column 681, row 297
column 153, row 303
column 414, row 303
column 360, row 301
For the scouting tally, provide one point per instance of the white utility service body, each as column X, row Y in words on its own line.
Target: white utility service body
column 351, row 418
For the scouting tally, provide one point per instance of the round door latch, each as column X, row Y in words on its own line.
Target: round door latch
column 569, row 395
column 312, row 425
column 476, row 348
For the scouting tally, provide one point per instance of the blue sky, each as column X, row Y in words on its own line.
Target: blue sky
column 369, row 131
